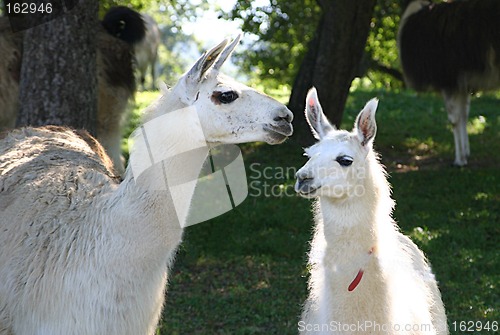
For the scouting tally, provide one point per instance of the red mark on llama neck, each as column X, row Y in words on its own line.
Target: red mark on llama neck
column 358, row 277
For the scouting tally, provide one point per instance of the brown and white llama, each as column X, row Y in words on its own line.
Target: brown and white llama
column 82, row 253
column 452, row 47
column 366, row 277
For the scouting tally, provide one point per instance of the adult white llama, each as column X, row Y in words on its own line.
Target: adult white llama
column 81, row 253
column 366, row 277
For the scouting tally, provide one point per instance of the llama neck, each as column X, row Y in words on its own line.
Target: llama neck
column 359, row 218
column 166, row 158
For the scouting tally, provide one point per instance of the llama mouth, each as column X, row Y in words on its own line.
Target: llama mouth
column 304, row 188
column 278, row 134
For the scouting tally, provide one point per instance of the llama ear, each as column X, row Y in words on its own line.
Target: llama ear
column 205, row 63
column 318, row 122
column 365, row 122
column 227, row 52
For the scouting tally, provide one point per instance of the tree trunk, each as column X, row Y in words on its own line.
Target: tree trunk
column 332, row 59
column 58, row 76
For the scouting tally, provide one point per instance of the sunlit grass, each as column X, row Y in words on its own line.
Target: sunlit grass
column 141, row 101
column 477, row 125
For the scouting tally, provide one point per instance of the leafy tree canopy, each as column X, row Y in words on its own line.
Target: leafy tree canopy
column 283, row 29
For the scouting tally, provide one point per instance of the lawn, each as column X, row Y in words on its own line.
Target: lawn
column 245, row 272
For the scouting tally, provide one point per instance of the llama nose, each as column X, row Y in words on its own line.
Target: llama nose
column 303, row 177
column 284, row 114
column 304, row 183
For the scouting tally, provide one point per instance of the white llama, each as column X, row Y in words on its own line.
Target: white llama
column 82, row 253
column 366, row 277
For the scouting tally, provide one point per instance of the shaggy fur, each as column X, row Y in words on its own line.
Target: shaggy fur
column 366, row 277
column 115, row 76
column 81, row 253
column 453, row 48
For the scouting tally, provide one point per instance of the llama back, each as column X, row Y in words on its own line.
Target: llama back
column 28, row 144
column 40, row 184
column 439, row 33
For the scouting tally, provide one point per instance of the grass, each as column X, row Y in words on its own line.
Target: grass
column 245, row 272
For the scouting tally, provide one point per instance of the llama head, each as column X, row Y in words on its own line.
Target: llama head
column 337, row 163
column 229, row 111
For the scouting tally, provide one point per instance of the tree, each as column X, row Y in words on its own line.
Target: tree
column 283, row 30
column 334, row 48
column 334, row 55
column 58, row 77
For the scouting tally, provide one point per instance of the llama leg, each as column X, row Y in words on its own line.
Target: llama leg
column 153, row 74
column 463, row 109
column 456, row 106
column 466, row 141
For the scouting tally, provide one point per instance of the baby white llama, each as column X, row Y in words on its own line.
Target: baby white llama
column 81, row 253
column 366, row 277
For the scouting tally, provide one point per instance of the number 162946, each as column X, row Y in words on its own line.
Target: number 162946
column 475, row 326
column 28, row 8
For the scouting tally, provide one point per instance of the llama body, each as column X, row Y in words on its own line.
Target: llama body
column 452, row 48
column 71, row 270
column 122, row 28
column 146, row 51
column 366, row 277
column 82, row 253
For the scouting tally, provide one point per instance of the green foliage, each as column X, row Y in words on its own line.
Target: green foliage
column 381, row 45
column 283, row 29
column 138, row 5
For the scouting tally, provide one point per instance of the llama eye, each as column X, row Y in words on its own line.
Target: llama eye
column 227, row 97
column 344, row 160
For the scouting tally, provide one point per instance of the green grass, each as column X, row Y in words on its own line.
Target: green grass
column 245, row 272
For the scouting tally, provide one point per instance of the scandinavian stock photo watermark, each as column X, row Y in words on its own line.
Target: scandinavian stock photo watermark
column 365, row 326
column 170, row 153
column 271, row 181
column 280, row 181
